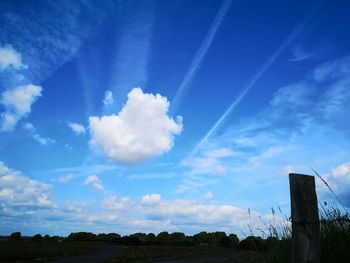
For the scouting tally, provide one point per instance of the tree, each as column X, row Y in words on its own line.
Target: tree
column 163, row 237
column 37, row 238
column 82, row 236
column 150, row 238
column 140, row 236
column 234, row 241
column 15, row 236
column 201, row 238
column 216, row 237
column 177, row 238
column 252, row 243
column 107, row 237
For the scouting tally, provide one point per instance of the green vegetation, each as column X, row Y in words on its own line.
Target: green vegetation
column 143, row 254
column 33, row 248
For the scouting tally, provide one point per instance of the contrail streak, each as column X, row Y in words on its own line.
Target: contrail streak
column 257, row 75
column 198, row 58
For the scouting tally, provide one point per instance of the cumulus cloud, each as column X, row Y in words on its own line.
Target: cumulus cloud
column 193, row 212
column 17, row 190
column 10, row 58
column 142, row 129
column 340, row 177
column 77, row 128
column 18, row 103
column 157, row 214
column 94, row 181
column 110, row 202
column 108, row 99
column 150, row 199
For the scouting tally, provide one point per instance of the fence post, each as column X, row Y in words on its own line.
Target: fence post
column 305, row 220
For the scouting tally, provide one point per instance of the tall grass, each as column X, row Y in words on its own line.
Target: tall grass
column 334, row 230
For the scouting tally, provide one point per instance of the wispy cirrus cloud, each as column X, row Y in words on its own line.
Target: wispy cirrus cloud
column 200, row 55
column 304, row 124
column 255, row 77
column 48, row 41
column 36, row 136
column 132, row 50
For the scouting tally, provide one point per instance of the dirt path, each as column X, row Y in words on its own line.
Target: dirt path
column 97, row 255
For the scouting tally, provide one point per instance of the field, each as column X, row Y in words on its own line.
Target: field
column 32, row 250
column 169, row 254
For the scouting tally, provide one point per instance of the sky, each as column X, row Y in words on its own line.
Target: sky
column 160, row 115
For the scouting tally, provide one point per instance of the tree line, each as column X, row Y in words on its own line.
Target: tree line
column 218, row 238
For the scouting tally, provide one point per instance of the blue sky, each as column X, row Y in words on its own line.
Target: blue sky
column 127, row 116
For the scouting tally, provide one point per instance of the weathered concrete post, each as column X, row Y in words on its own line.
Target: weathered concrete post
column 305, row 220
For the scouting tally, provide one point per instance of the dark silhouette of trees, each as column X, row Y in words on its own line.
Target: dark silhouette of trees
column 37, row 238
column 150, row 239
column 163, row 238
column 177, row 238
column 82, row 236
column 15, row 236
column 252, row 243
column 107, row 237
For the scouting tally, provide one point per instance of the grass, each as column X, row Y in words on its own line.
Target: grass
column 31, row 250
column 334, row 234
column 145, row 254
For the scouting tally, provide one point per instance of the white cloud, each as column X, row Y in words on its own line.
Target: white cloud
column 267, row 154
column 108, row 99
column 208, row 195
column 205, row 165
column 299, row 54
column 339, row 177
column 142, row 129
column 244, row 141
column 95, row 181
column 150, row 199
column 17, row 190
column 193, row 212
column 110, row 202
column 36, row 136
column 9, row 57
column 77, row 128
column 18, row 102
column 219, row 153
column 65, row 178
